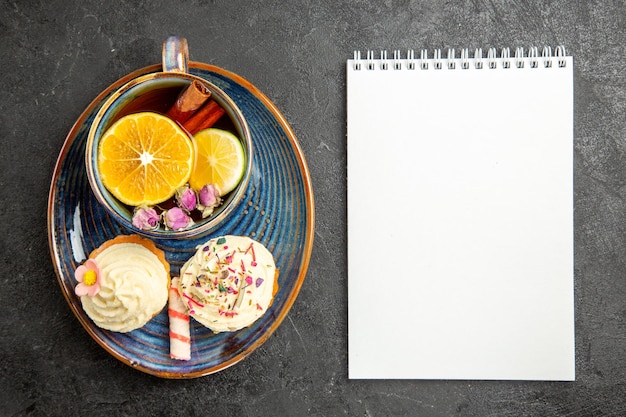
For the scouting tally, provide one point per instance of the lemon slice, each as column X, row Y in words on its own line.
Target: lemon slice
column 220, row 160
column 144, row 157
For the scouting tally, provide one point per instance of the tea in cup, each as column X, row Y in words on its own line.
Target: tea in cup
column 153, row 150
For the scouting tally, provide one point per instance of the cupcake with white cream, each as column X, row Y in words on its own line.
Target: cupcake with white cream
column 124, row 283
column 229, row 283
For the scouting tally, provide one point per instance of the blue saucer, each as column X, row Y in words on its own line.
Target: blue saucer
column 277, row 210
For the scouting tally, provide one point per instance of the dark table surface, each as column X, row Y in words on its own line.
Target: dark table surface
column 56, row 56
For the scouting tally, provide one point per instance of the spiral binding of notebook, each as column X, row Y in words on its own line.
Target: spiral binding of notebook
column 519, row 59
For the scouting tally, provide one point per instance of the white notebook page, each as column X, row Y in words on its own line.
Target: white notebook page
column 460, row 221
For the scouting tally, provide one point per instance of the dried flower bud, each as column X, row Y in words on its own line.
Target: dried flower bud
column 186, row 198
column 177, row 219
column 209, row 197
column 145, row 218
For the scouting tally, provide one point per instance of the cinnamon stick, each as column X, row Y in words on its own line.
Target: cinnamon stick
column 204, row 117
column 190, row 100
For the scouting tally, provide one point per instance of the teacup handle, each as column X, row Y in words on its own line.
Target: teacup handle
column 175, row 54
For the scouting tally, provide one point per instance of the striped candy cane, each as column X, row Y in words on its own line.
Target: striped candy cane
column 180, row 342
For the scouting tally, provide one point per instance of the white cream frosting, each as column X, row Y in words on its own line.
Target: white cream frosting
column 229, row 283
column 133, row 288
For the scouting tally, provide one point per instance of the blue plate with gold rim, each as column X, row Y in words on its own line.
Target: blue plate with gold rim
column 277, row 210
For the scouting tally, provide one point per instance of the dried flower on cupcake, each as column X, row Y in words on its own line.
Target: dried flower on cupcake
column 88, row 277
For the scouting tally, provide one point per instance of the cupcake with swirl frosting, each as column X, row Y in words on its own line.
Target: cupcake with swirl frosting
column 124, row 283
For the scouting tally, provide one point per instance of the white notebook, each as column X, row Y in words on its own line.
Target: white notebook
column 460, row 215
